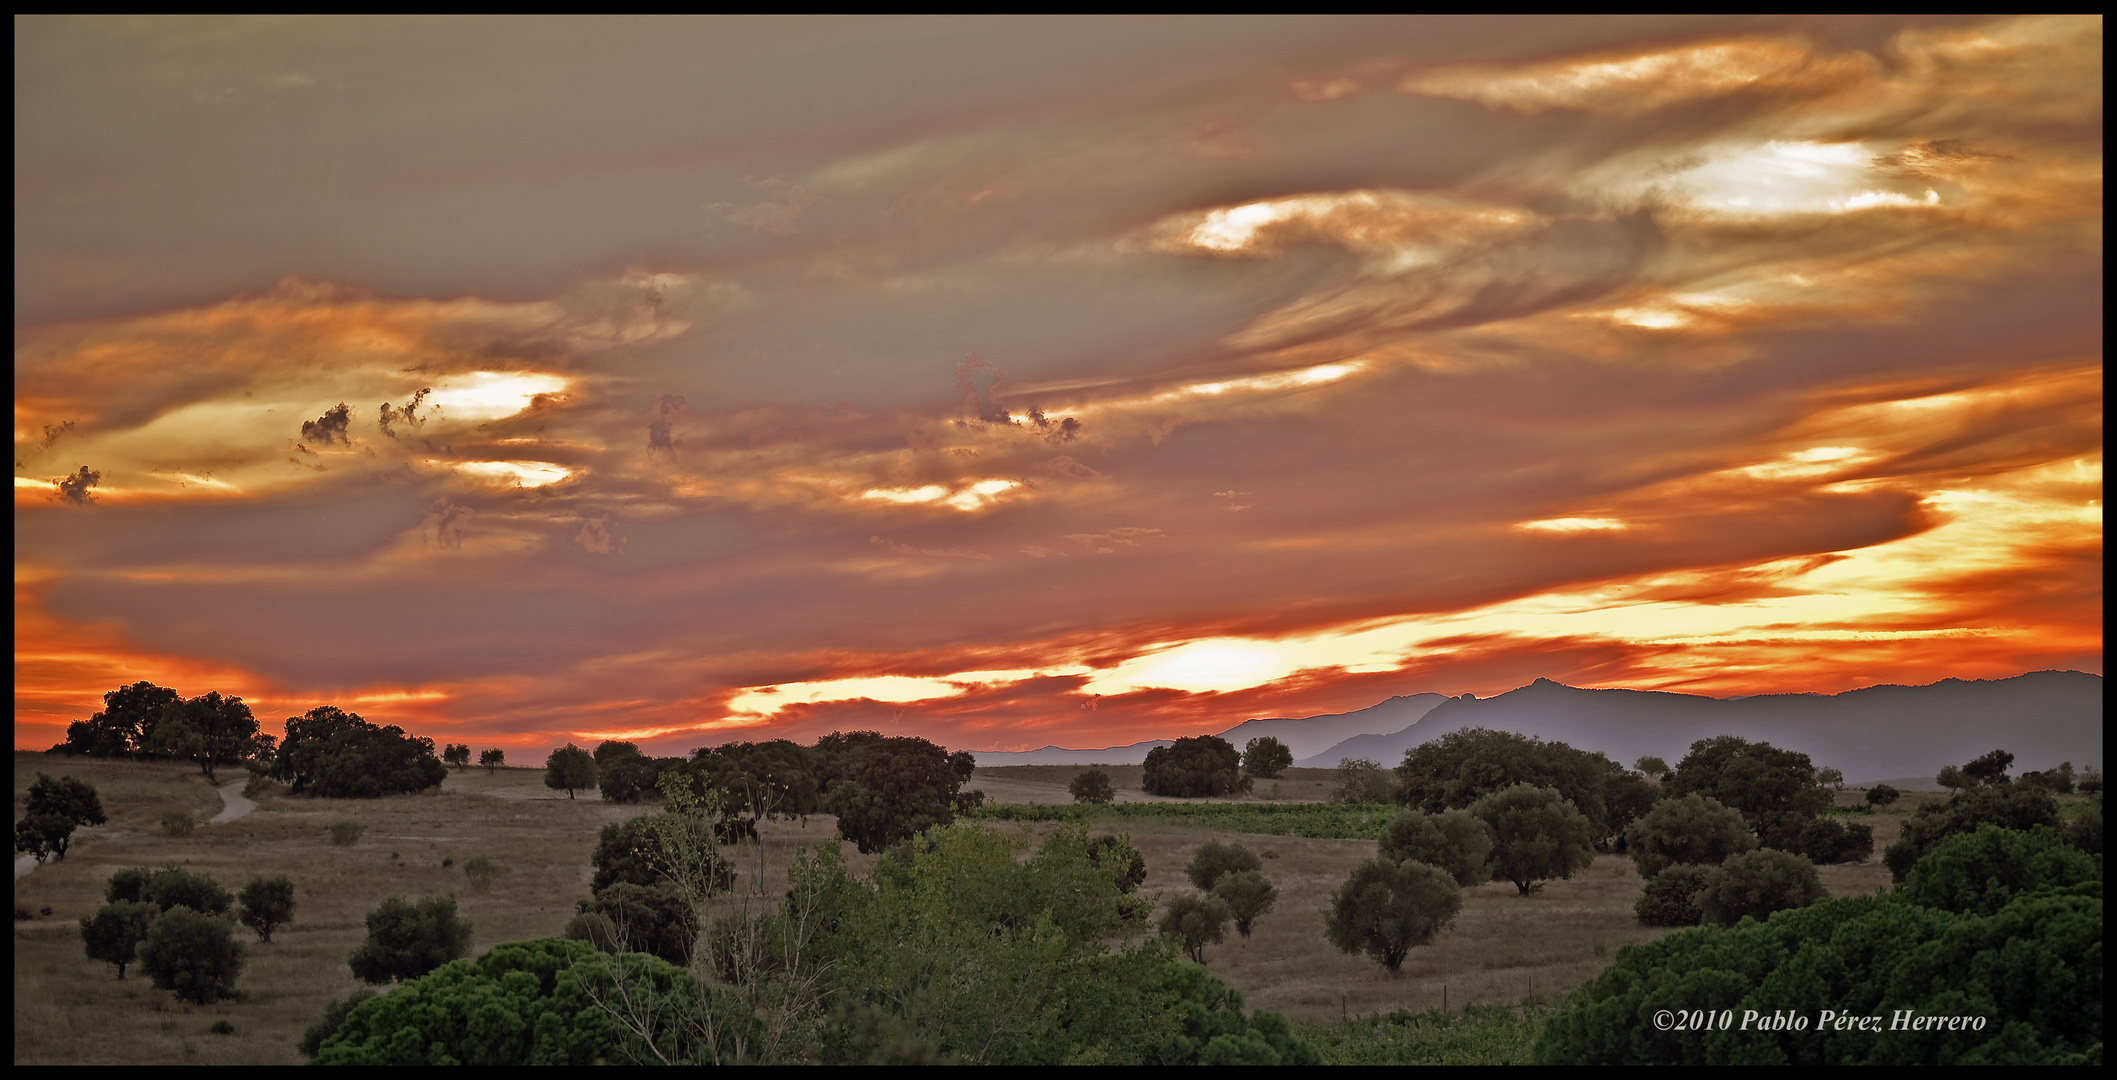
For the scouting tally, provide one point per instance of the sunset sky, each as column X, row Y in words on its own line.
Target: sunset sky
column 1032, row 381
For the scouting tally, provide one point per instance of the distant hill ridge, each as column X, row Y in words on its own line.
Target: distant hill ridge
column 1876, row 732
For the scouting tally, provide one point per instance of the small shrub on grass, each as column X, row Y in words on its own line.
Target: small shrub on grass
column 178, row 823
column 261, row 786
column 347, row 833
column 481, row 871
column 222, row 1027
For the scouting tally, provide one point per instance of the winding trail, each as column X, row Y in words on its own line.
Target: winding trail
column 231, row 794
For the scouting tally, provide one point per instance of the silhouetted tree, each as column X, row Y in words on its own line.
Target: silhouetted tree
column 457, row 754
column 1266, row 758
column 122, row 728
column 54, row 808
column 492, row 759
column 1092, row 787
column 209, row 729
column 1882, row 795
column 335, row 754
column 1196, row 767
column 569, row 768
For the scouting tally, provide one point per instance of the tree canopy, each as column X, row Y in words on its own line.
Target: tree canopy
column 1215, row 859
column 1999, row 928
column 1092, row 787
column 1456, row 841
column 192, row 953
column 1537, row 835
column 1777, row 791
column 55, row 807
column 123, row 727
column 1461, row 767
column 406, row 939
column 1387, row 908
column 1196, row 767
column 569, row 768
column 335, row 754
column 885, row 789
column 1690, row 829
column 2007, row 805
column 209, row 729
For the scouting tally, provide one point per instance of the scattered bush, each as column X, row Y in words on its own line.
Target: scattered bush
column 1386, row 909
column 1092, row 788
column 1671, row 898
column 192, row 953
column 178, row 823
column 1536, row 835
column 1690, row 829
column 407, row 940
column 1456, row 841
column 261, row 785
column 1195, row 921
column 266, row 904
column 1249, row 897
column 347, row 833
column 1214, row 859
column 1824, row 841
column 113, row 934
column 1882, row 795
column 1757, row 883
column 482, row 872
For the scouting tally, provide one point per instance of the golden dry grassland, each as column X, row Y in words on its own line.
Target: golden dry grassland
column 71, row 1010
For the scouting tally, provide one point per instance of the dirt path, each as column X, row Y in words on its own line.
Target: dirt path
column 232, row 794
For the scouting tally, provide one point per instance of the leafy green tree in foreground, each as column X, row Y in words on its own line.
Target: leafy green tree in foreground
column 2001, row 928
column 407, row 940
column 192, row 953
column 1386, row 909
column 1266, row 758
column 1758, row 883
column 1536, row 835
column 1456, row 841
column 113, row 934
column 1195, row 767
column 1688, row 829
column 569, row 768
column 1092, row 788
column 56, row 806
column 266, row 904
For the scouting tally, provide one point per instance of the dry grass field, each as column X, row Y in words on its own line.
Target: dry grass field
column 1504, row 949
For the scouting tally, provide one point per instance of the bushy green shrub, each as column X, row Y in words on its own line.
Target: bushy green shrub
column 1671, row 898
column 1858, row 970
column 1195, row 767
column 482, row 872
column 1454, row 840
column 178, row 823
column 327, row 1025
column 192, row 953
column 347, row 833
column 1979, row 873
column 1214, row 859
column 1687, row 829
column 2007, row 805
column 658, row 921
column 1882, row 795
column 1757, row 883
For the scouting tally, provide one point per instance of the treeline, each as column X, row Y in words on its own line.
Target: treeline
column 327, row 751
